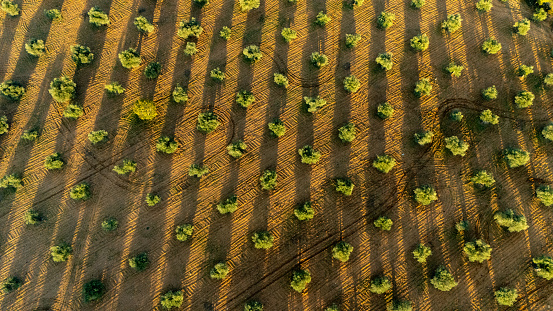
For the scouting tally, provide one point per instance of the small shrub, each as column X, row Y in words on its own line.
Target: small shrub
column 35, row 47
column 347, row 133
column 10, row 284
column 12, row 182
column 421, row 253
column 487, row 117
column 189, row 29
column 152, row 199
column 417, row 3
column 425, row 195
column 53, row 161
column 443, row 280
column 341, row 251
column 483, row 179
column 304, row 211
column 12, row 90
column 96, row 137
column 385, row 60
column 144, row 109
column 380, row 285
column 322, row 19
column 524, row 99
column 129, row 166
column 253, row 306
column 352, row 40
column 207, row 122
column 237, row 149
column 543, row 266
column 452, row 23
column 263, row 240
column 114, row 88
column 219, row 271
column 318, row 60
column 139, row 262
column 97, row 17
column 510, row 220
column 129, row 58
column 217, row 75
column 300, row 279
column 110, row 224
column 62, row 89
column 225, row 33
column 54, row 15
column 245, row 98
column 247, row 5
column 81, row 54
column 454, row 70
column 252, row 53
column 385, row 111
column 166, row 145
column 522, row 27
column 280, row 80
column 400, row 306
column 489, row 93
column 544, row 193
column 190, row 49
column 420, row 43
column 268, row 180
column 516, row 157
column 383, row 223
column 314, row 103
column 484, row 5
column 93, row 290
column 184, row 232
column 351, row 84
column 172, row 299
column 143, row 25
column 288, row 34
column 539, row 15
column 491, row 46
column 179, row 95
column 384, row 163
column 385, row 20
column 29, row 135
column 152, row 70
column 229, row 205
column 547, row 132
column 32, row 217
column 277, row 128
column 10, row 8
column 478, row 251
column 456, row 145
column 506, row 296
column 344, row 186
column 423, row 87
column 424, row 138
column 80, row 192
column 61, row 252
column 73, row 111
column 197, row 170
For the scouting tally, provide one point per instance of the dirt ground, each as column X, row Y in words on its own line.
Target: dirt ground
column 258, row 274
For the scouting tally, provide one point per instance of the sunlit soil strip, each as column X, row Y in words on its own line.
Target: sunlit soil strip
column 394, row 146
column 38, row 151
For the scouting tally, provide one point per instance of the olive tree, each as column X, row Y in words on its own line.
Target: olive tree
column 304, row 211
column 341, row 251
column 506, row 296
column 144, row 109
column 139, row 262
column 456, row 115
column 252, row 53
column 97, row 17
column 478, row 251
column 73, row 111
column 300, row 279
column 152, row 199
column 263, row 240
column 81, row 54
column 383, row 223
column 12, row 90
column 10, row 8
column 152, row 70
column 547, row 132
column 397, row 305
column 524, row 99
column 385, row 60
column 237, row 149
column 129, row 166
column 248, row 5
column 109, row 224
column 54, row 15
column 483, row 179
column 166, row 145
column 190, row 49
column 319, row 60
column 511, row 221
column 225, row 33
column 543, row 265
column 143, row 25
column 423, row 87
column 207, row 122
column 484, row 5
column 420, row 42
column 29, row 135
column 54, row 161
column 421, row 253
column 347, row 132
column 179, row 94
column 32, row 217
column 515, row 157
column 456, row 145
column 10, row 284
column 80, row 192
column 309, row 155
column 452, row 23
column 219, row 271
column 489, row 93
column 245, row 98
column 253, row 306
column 454, row 70
column 280, row 80
column 351, row 84
column 11, row 182
column 544, row 193
column 540, row 14
column 417, row 4
column 93, row 290
column 189, row 29
column 277, row 128
column 384, row 163
column 352, row 40
column 491, row 46
column 487, row 117
column 424, row 138
column 62, row 89
column 314, row 103
column 443, row 279
column 217, row 75
column 288, row 34
column 344, row 186
column 522, row 27
column 61, row 252
column 184, row 232
column 96, row 137
column 35, row 47
column 322, row 19
column 523, row 71
column 385, row 111
column 385, row 20
column 380, row 285
column 268, row 180
column 114, row 88
column 228, row 206
column 197, row 170
column 425, row 195
column 130, row 58
column 172, row 299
